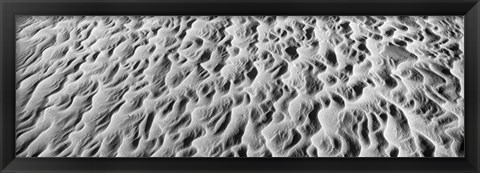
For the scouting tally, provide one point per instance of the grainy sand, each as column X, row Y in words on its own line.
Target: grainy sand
column 204, row 86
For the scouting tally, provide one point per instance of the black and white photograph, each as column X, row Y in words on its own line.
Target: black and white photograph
column 240, row 86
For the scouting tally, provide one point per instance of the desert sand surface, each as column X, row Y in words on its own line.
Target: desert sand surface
column 240, row 86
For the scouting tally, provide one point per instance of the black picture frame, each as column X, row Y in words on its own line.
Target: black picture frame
column 9, row 8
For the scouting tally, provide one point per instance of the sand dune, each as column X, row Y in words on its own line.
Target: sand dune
column 232, row 86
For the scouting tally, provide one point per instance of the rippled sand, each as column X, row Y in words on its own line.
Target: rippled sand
column 240, row 86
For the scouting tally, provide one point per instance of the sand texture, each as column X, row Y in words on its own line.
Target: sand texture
column 240, row 86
